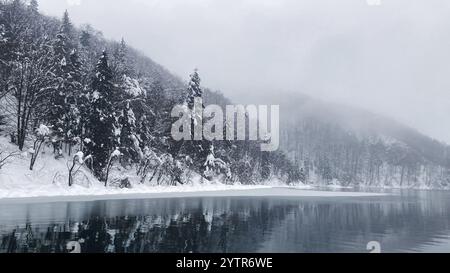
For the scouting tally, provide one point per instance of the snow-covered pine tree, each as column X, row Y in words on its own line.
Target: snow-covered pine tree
column 196, row 149
column 153, row 123
column 63, row 99
column 87, row 57
column 127, row 96
column 129, row 143
column 121, row 62
column 194, row 89
column 75, row 99
column 194, row 92
column 153, row 118
column 122, row 74
column 101, row 124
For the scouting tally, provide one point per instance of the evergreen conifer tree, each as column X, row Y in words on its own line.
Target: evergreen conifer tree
column 64, row 92
column 101, row 125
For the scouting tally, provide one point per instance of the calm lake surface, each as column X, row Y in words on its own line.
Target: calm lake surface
column 409, row 221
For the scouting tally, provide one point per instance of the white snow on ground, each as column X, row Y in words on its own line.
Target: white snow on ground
column 49, row 179
column 185, row 192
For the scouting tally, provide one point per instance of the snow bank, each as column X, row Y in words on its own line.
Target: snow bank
column 101, row 192
column 49, row 178
column 148, row 192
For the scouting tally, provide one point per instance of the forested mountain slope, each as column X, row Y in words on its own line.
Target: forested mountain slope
column 356, row 147
column 102, row 105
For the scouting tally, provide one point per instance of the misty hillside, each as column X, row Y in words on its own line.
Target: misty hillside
column 355, row 147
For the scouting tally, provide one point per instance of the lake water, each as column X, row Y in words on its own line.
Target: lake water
column 409, row 221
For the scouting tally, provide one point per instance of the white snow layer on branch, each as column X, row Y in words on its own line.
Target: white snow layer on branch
column 43, row 130
column 116, row 153
column 79, row 156
column 132, row 86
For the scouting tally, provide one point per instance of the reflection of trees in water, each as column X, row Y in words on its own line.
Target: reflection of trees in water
column 334, row 227
column 204, row 228
column 216, row 225
column 29, row 239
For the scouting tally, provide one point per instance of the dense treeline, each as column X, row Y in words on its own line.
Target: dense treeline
column 103, row 103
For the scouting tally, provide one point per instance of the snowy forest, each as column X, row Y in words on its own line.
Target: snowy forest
column 351, row 147
column 102, row 108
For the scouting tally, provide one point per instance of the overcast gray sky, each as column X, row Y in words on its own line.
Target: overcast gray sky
column 392, row 58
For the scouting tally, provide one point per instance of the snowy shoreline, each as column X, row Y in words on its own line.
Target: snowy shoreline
column 217, row 190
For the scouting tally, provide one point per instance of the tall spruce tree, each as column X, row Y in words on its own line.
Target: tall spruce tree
column 100, row 129
column 75, row 99
column 125, row 98
column 194, row 89
column 129, row 143
column 63, row 98
column 86, row 56
column 197, row 149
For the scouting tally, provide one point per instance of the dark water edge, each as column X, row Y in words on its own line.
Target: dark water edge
column 410, row 221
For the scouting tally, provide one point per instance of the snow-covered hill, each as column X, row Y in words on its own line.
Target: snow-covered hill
column 354, row 147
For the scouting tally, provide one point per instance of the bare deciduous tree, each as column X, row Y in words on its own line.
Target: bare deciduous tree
column 41, row 135
column 78, row 161
column 4, row 157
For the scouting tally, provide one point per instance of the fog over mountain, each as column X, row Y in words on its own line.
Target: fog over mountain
column 392, row 59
